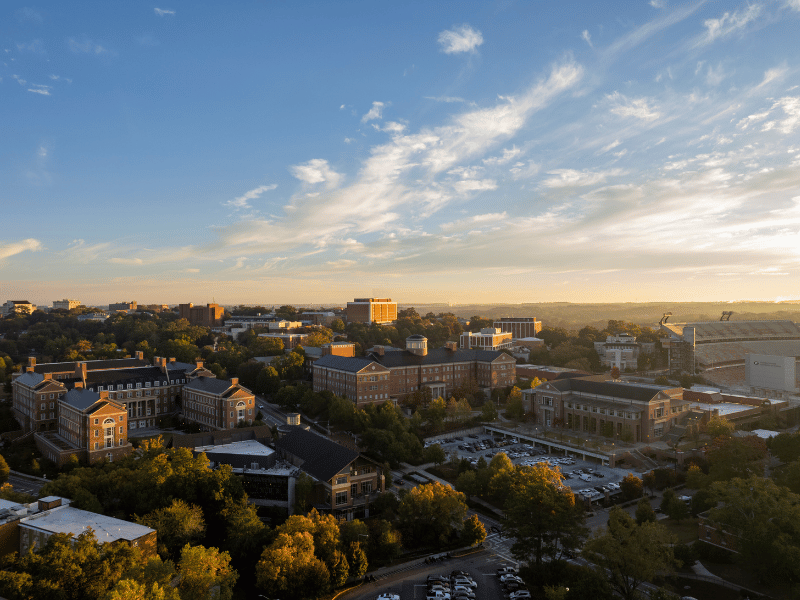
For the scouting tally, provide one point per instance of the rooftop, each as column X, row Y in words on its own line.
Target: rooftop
column 322, row 458
column 75, row 521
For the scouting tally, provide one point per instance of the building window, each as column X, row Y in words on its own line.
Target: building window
column 341, row 480
column 341, row 498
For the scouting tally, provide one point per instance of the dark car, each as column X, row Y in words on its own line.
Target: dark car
column 600, row 475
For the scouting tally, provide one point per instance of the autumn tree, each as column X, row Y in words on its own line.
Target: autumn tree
column 719, row 426
column 288, row 568
column 202, row 569
column 5, row 470
column 731, row 457
column 429, row 515
column 474, row 532
column 629, row 554
column 542, row 516
column 631, row 486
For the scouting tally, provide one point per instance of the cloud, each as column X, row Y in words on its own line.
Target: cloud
column 771, row 75
column 191, row 270
column 34, row 46
column 730, row 23
column 610, row 146
column 715, row 76
column 10, row 249
column 471, row 222
column 509, row 154
column 85, row 46
column 794, row 4
column 460, row 39
column 315, row 171
column 451, row 99
column 19, row 80
column 163, row 11
column 393, row 127
column 242, row 201
column 632, row 107
column 44, row 90
column 587, row 37
column 29, row 14
column 791, row 108
column 657, row 3
column 376, row 112
column 126, row 261
column 574, row 178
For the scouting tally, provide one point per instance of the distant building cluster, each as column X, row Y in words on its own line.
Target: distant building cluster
column 17, row 307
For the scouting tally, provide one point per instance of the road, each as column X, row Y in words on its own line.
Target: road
column 25, row 485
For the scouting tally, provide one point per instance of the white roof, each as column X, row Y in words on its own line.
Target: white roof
column 765, row 434
column 246, row 447
column 66, row 519
column 725, row 408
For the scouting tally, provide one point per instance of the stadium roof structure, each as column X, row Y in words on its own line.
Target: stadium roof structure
column 707, row 332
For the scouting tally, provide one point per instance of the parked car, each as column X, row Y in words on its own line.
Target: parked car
column 506, row 571
column 388, row 596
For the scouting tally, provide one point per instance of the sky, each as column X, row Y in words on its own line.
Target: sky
column 313, row 152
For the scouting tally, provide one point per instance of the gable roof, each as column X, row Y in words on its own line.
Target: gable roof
column 322, row 458
column 80, row 398
column 212, row 385
column 345, row 363
column 615, row 389
column 91, row 365
column 437, row 356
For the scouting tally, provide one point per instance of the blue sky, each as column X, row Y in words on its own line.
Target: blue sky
column 430, row 151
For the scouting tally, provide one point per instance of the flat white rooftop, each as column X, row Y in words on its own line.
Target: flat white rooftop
column 245, row 447
column 66, row 519
column 724, row 408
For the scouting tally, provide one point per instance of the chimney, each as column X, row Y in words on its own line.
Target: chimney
column 198, row 364
column 234, row 381
column 31, row 361
column 48, row 375
column 380, row 350
column 30, row 369
column 172, row 359
column 78, row 385
column 452, row 346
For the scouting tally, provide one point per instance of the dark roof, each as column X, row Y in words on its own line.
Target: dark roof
column 91, row 365
column 572, row 374
column 213, row 385
column 172, row 366
column 344, row 363
column 436, row 356
column 260, row 433
column 595, row 385
column 322, row 458
column 80, row 398
column 124, row 376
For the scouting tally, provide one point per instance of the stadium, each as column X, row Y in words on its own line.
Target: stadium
column 718, row 348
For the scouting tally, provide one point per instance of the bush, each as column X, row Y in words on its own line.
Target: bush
column 714, row 554
column 685, row 553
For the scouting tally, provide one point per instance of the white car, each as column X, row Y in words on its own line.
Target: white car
column 585, row 477
column 388, row 596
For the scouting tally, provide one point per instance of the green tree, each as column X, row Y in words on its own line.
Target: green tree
column 436, row 412
column 268, row 381
column 786, row 446
column 514, row 407
column 766, row 520
column 649, row 481
column 542, row 517
column 202, row 569
column 434, row 454
column 357, row 559
column 177, row 525
column 288, row 568
column 337, row 325
column 645, row 512
column 245, row 533
column 429, row 515
column 630, row 554
column 489, row 412
column 696, row 479
column 474, row 532
column 731, row 457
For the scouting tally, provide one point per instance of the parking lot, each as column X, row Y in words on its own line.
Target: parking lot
column 590, row 479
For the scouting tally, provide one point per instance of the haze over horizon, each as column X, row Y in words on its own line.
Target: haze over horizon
column 469, row 152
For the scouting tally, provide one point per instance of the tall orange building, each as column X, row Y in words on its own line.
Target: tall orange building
column 372, row 310
column 209, row 315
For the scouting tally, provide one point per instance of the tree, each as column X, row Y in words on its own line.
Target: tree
column 786, row 446
column 615, row 373
column 202, row 569
column 631, row 486
column 357, row 559
column 645, row 512
column 268, row 381
column 649, row 481
column 719, row 425
column 630, row 554
column 514, row 407
column 696, row 479
column 766, row 520
column 434, row 454
column 429, row 515
column 337, row 325
column 5, row 470
column 177, row 525
column 541, row 516
column 731, row 457
column 288, row 568
column 474, row 532
column 245, row 532
column 436, row 412
column 489, row 412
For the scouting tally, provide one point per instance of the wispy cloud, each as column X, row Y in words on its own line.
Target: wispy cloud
column 10, row 249
column 243, row 201
column 316, row 171
column 85, row 46
column 587, row 37
column 126, row 261
column 34, row 46
column 44, row 90
column 574, row 178
column 632, row 107
column 161, row 12
column 508, row 155
column 730, row 23
column 460, row 39
column 451, row 99
column 376, row 112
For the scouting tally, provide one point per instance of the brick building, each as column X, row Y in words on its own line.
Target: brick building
column 596, row 405
column 209, row 315
column 217, row 403
column 381, row 376
column 372, row 310
column 489, row 338
column 90, row 426
column 123, row 306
